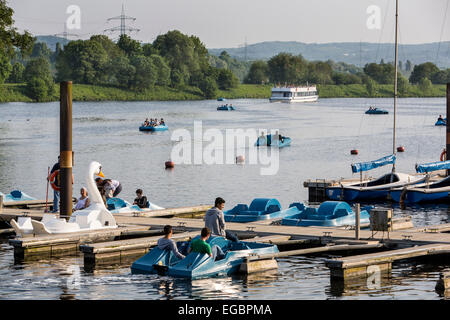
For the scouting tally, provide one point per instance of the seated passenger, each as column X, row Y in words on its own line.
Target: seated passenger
column 166, row 243
column 162, row 123
column 141, row 200
column 83, row 201
column 201, row 246
column 440, row 118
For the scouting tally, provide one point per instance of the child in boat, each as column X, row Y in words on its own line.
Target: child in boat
column 166, row 243
column 141, row 200
column 83, row 201
column 162, row 123
column 146, row 123
column 201, row 246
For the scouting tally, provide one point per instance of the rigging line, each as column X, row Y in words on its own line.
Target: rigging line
column 442, row 31
column 382, row 29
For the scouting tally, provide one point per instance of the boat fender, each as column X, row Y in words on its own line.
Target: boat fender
column 53, row 180
column 443, row 155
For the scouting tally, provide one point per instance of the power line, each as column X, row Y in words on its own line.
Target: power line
column 123, row 28
column 65, row 34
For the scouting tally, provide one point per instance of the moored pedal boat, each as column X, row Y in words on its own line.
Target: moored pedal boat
column 200, row 265
column 268, row 141
column 260, row 209
column 16, row 195
column 329, row 214
column 117, row 205
column 377, row 111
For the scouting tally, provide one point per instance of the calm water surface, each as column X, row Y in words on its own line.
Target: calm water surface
column 322, row 133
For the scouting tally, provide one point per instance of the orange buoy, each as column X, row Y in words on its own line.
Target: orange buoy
column 354, row 151
column 401, row 149
column 169, row 164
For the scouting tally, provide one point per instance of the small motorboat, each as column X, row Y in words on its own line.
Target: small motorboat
column 376, row 111
column 329, row 214
column 200, row 265
column 260, row 209
column 117, row 205
column 154, row 128
column 268, row 141
column 16, row 195
column 221, row 99
column 225, row 108
column 441, row 122
column 94, row 217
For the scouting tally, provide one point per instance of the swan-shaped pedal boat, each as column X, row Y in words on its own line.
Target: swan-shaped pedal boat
column 94, row 217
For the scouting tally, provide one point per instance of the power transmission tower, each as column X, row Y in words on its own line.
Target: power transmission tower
column 123, row 28
column 65, row 34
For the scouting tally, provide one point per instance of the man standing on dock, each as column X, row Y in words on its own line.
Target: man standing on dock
column 215, row 221
column 56, row 166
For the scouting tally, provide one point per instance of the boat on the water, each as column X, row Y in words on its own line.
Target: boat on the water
column 94, row 217
column 376, row 189
column 329, row 214
column 376, row 111
column 260, row 209
column 117, row 205
column 154, row 128
column 200, row 265
column 425, row 192
column 441, row 122
column 268, row 141
column 290, row 94
column 221, row 99
column 225, row 108
column 16, row 195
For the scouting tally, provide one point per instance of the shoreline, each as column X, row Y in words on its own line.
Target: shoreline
column 83, row 92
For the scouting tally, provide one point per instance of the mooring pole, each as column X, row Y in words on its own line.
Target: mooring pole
column 65, row 147
column 357, row 221
column 447, row 140
column 1, row 202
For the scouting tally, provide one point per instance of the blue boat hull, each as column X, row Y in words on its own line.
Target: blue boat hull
column 329, row 214
column 417, row 196
column 16, row 195
column 286, row 142
column 200, row 265
column 223, row 108
column 157, row 128
column 440, row 123
column 377, row 111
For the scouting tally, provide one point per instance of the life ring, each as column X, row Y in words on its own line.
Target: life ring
column 443, row 155
column 53, row 180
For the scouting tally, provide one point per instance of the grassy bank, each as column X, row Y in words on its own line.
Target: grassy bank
column 83, row 92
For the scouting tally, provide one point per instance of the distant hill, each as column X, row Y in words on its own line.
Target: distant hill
column 349, row 52
column 51, row 41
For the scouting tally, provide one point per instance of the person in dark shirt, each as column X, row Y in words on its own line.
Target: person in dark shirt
column 141, row 200
column 56, row 166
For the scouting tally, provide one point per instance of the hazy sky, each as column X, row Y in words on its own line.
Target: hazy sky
column 229, row 23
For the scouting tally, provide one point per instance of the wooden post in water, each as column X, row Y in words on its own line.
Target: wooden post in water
column 447, row 139
column 65, row 147
column 357, row 221
column 1, row 202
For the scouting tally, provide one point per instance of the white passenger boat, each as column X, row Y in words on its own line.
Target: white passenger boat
column 294, row 94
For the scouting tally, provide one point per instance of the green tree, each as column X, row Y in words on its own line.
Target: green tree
column 285, row 67
column 120, row 72
column 10, row 40
column 371, row 86
column 441, row 77
column 402, row 84
column 162, row 70
column 425, row 85
column 40, row 49
column 421, row 71
column 383, row 73
column 130, row 46
column 145, row 74
column 39, row 80
column 17, row 73
column 226, row 79
column 209, row 87
column 258, row 73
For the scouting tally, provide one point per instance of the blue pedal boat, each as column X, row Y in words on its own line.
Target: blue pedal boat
column 260, row 209
column 155, row 128
column 225, row 108
column 200, row 265
column 329, row 214
column 377, row 111
column 16, row 195
column 117, row 205
column 221, row 99
column 267, row 141
column 441, row 122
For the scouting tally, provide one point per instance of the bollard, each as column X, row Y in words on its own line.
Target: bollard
column 357, row 221
column 65, row 147
column 1, row 203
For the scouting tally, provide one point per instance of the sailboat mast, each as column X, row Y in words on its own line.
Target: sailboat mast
column 395, row 79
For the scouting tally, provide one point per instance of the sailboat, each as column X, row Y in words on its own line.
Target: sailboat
column 377, row 189
column 426, row 191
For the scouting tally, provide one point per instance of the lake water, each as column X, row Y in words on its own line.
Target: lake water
column 323, row 133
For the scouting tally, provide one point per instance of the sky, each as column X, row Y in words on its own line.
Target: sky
column 232, row 23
